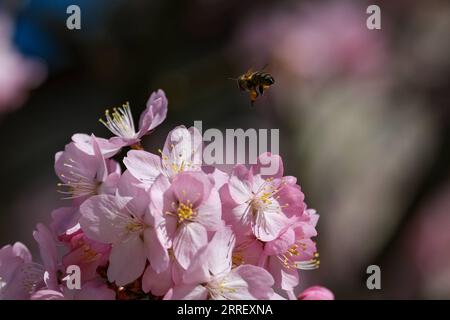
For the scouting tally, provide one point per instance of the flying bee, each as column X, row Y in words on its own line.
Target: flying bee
column 254, row 82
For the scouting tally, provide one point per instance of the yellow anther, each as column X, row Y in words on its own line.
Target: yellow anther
column 293, row 250
column 185, row 211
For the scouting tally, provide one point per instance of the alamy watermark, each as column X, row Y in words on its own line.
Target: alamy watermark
column 73, row 21
column 373, row 22
column 374, row 280
column 214, row 147
column 72, row 278
column 239, row 146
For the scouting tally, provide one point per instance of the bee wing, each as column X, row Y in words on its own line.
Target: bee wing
column 249, row 72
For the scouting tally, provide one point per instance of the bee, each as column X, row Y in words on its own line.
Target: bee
column 254, row 82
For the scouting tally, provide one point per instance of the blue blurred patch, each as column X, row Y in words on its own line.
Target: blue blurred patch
column 40, row 26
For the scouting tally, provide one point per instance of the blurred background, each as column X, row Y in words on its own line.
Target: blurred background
column 364, row 115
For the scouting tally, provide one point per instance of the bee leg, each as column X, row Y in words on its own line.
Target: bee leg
column 261, row 89
column 253, row 96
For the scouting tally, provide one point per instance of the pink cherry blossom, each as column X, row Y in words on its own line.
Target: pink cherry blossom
column 84, row 174
column 182, row 152
column 292, row 251
column 121, row 122
column 19, row 276
column 124, row 220
column 211, row 275
column 86, row 254
column 257, row 203
column 248, row 250
column 264, row 204
column 168, row 226
column 190, row 206
column 84, row 142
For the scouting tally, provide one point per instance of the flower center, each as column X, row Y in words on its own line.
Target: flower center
column 237, row 259
column 134, row 226
column 120, row 122
column 266, row 197
column 77, row 184
column 261, row 201
column 185, row 211
column 219, row 289
column 32, row 276
column 174, row 163
column 89, row 254
column 290, row 258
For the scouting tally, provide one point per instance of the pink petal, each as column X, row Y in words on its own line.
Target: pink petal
column 240, row 215
column 46, row 294
column 251, row 249
column 187, row 292
column 316, row 293
column 161, row 197
column 154, row 114
column 183, row 149
column 220, row 250
column 259, row 281
column 289, row 278
column 102, row 217
column 190, row 237
column 144, row 166
column 286, row 279
column 157, row 283
column 84, row 143
column 198, row 271
column 127, row 260
column 310, row 216
column 236, row 288
column 109, row 185
column 267, row 226
column 19, row 276
column 240, row 190
column 209, row 212
column 73, row 160
column 64, row 218
column 102, row 171
column 281, row 244
column 21, row 251
column 191, row 186
column 47, row 249
column 291, row 198
column 219, row 177
column 156, row 252
column 129, row 186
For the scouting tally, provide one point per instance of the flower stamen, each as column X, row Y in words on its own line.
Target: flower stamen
column 185, row 211
column 120, row 122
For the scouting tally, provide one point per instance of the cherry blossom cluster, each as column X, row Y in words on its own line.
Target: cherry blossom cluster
column 164, row 226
